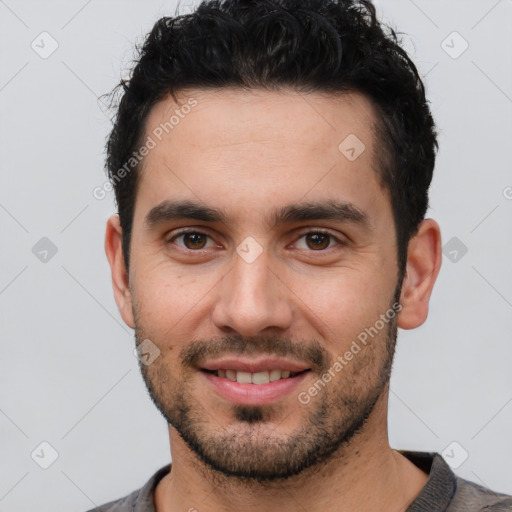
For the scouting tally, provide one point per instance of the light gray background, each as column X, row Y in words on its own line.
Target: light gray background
column 67, row 372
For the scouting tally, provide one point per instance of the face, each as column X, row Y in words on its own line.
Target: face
column 262, row 252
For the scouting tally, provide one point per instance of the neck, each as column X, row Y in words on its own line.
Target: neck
column 365, row 475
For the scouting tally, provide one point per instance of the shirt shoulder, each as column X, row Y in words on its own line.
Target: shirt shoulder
column 446, row 492
column 470, row 497
column 140, row 500
column 125, row 504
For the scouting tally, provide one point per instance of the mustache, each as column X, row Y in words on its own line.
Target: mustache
column 311, row 353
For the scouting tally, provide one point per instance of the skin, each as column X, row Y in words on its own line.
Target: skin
column 247, row 153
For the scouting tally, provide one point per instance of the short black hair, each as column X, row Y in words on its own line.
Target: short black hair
column 328, row 46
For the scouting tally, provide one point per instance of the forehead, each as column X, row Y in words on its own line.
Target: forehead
column 254, row 145
column 228, row 116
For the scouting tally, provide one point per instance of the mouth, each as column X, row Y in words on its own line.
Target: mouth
column 256, row 378
column 251, row 382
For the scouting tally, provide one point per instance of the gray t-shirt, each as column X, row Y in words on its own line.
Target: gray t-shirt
column 443, row 492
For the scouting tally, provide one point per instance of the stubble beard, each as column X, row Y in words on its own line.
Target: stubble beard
column 250, row 449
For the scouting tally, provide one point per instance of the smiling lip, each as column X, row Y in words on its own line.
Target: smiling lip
column 254, row 366
column 253, row 394
column 242, row 393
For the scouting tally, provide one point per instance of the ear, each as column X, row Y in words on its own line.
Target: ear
column 423, row 265
column 113, row 249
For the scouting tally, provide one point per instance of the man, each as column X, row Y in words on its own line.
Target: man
column 271, row 163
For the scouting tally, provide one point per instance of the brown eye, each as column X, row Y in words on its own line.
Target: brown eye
column 194, row 240
column 317, row 241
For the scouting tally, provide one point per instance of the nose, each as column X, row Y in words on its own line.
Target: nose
column 252, row 298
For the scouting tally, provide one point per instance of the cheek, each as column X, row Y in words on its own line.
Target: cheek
column 342, row 306
column 169, row 303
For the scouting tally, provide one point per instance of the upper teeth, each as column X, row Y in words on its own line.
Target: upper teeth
column 254, row 378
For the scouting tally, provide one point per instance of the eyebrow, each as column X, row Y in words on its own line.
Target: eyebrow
column 321, row 210
column 174, row 210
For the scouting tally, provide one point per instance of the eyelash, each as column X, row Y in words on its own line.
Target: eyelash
column 302, row 235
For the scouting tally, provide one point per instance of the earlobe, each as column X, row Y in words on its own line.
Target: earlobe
column 120, row 282
column 423, row 265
